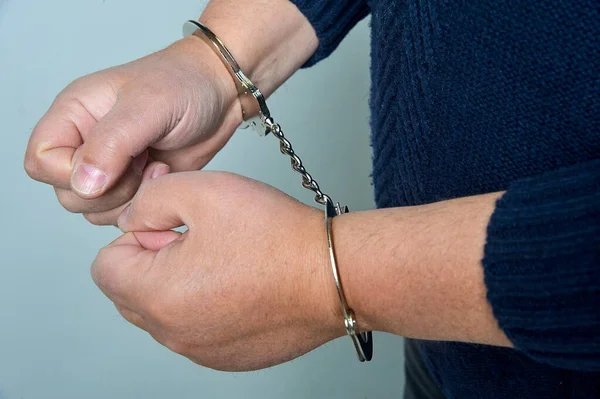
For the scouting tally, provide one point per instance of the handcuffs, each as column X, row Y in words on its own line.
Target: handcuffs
column 256, row 115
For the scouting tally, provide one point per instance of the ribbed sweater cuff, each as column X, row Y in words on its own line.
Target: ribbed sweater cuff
column 542, row 266
column 332, row 20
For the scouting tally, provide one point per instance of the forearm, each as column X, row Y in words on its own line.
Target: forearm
column 417, row 271
column 270, row 39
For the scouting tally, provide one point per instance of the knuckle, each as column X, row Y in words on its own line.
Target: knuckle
column 70, row 206
column 98, row 272
column 32, row 165
column 105, row 273
column 99, row 219
column 67, row 201
column 177, row 346
column 75, row 86
column 115, row 141
column 93, row 218
column 131, row 316
column 112, row 144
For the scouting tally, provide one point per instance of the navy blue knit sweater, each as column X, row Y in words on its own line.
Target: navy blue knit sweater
column 470, row 97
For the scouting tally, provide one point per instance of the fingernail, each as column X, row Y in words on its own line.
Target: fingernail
column 123, row 218
column 88, row 179
column 160, row 170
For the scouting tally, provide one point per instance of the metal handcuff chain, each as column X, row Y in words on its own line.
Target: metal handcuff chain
column 264, row 125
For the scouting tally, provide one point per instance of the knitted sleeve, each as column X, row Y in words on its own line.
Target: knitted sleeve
column 542, row 266
column 332, row 20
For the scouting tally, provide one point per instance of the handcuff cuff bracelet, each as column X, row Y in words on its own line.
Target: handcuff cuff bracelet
column 256, row 115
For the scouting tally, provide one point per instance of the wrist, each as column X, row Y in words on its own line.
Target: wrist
column 319, row 294
column 355, row 239
column 203, row 59
column 416, row 271
column 322, row 281
column 270, row 39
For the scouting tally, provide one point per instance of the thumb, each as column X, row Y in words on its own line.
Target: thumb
column 119, row 267
column 158, row 205
column 132, row 125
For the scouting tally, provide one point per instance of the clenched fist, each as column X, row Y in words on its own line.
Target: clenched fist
column 247, row 286
column 172, row 110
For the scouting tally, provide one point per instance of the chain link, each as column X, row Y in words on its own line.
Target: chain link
column 286, row 148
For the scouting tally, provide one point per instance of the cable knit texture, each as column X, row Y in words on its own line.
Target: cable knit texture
column 470, row 97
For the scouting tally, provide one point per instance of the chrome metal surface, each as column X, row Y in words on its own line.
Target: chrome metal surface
column 252, row 100
column 286, row 148
column 362, row 341
column 258, row 116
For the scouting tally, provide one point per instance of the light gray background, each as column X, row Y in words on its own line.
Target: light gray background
column 59, row 337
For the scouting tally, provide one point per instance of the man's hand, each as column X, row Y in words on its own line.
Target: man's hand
column 178, row 106
column 247, row 286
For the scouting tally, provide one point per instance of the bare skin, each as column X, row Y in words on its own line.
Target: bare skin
column 229, row 293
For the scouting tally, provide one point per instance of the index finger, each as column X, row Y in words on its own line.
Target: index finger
column 121, row 269
column 54, row 141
